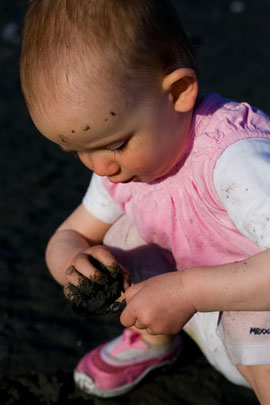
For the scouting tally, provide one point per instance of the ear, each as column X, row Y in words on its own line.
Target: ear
column 182, row 87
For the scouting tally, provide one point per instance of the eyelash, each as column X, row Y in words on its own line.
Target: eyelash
column 121, row 148
column 118, row 150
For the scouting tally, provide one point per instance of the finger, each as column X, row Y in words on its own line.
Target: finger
column 126, row 278
column 66, row 290
column 68, row 293
column 102, row 259
column 121, row 298
column 73, row 276
column 139, row 325
column 83, row 266
column 127, row 318
column 132, row 290
column 102, row 255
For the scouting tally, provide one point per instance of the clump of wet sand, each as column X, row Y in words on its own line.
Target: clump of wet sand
column 98, row 297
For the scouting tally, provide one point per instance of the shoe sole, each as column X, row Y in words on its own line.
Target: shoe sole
column 87, row 384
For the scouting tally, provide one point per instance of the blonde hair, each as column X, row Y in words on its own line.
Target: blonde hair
column 137, row 40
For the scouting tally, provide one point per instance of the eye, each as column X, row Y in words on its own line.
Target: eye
column 119, row 148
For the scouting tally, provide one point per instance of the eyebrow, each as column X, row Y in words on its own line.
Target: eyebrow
column 123, row 138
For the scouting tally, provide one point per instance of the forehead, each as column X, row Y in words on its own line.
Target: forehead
column 75, row 119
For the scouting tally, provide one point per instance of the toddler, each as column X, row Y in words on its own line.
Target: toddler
column 179, row 195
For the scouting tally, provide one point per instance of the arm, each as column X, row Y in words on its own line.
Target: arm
column 76, row 235
column 239, row 286
column 165, row 303
column 81, row 234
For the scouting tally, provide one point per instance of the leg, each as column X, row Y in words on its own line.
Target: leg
column 246, row 335
column 140, row 259
column 202, row 328
column 158, row 340
column 258, row 377
column 116, row 367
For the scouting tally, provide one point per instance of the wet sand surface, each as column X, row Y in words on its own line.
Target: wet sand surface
column 41, row 336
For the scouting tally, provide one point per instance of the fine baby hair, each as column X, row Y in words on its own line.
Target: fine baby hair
column 132, row 42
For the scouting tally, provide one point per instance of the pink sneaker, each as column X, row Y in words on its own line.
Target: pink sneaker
column 114, row 368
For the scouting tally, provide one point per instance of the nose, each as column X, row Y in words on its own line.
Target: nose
column 101, row 165
column 107, row 169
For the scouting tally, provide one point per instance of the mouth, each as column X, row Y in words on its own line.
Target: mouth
column 133, row 178
column 128, row 180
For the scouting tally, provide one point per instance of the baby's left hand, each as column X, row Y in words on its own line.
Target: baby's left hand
column 160, row 305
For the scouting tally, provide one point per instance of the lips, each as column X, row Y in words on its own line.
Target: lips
column 134, row 178
column 128, row 180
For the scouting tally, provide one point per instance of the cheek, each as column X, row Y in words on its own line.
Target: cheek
column 85, row 161
column 144, row 160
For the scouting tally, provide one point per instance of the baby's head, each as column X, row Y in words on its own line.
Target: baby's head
column 87, row 64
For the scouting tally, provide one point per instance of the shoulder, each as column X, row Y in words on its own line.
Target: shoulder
column 98, row 201
column 242, row 181
column 230, row 115
column 245, row 159
column 221, row 122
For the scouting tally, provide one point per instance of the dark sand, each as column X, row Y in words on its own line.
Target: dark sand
column 41, row 336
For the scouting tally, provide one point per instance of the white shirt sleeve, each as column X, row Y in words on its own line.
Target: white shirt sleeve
column 99, row 203
column 242, row 181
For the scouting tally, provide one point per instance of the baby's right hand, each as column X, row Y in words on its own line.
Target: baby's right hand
column 96, row 279
column 82, row 266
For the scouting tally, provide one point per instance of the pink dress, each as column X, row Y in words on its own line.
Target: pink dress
column 183, row 212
